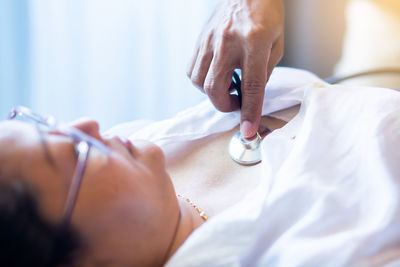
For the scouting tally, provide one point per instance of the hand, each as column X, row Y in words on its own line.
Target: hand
column 243, row 34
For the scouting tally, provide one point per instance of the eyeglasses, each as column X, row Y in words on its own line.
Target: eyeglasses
column 82, row 143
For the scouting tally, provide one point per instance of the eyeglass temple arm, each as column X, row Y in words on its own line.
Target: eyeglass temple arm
column 83, row 154
column 23, row 111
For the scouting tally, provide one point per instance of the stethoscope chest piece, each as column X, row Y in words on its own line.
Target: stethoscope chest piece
column 245, row 151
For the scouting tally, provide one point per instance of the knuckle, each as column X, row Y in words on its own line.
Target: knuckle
column 197, row 80
column 227, row 31
column 257, row 41
column 249, row 110
column 256, row 33
column 253, row 94
column 216, row 98
column 189, row 73
column 226, row 42
column 252, row 87
column 207, row 38
column 211, row 90
column 225, row 108
column 227, row 34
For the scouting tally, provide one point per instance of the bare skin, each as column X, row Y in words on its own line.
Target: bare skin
column 214, row 184
column 242, row 34
column 127, row 197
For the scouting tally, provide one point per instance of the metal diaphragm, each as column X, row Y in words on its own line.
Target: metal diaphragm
column 245, row 151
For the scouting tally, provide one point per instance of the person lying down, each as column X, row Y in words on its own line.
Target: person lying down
column 326, row 192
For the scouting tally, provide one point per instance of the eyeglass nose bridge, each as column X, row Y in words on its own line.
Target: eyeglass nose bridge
column 12, row 115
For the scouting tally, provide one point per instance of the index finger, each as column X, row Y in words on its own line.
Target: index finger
column 253, row 86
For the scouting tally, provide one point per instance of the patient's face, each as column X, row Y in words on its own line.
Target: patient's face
column 126, row 205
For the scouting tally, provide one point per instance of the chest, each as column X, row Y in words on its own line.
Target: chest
column 204, row 172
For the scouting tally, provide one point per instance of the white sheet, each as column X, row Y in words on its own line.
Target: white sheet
column 284, row 90
column 330, row 192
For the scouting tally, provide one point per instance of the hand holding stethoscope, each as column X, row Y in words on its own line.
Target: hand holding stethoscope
column 245, row 151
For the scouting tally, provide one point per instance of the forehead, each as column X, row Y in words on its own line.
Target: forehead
column 26, row 152
column 16, row 137
column 21, row 145
column 13, row 131
column 17, row 134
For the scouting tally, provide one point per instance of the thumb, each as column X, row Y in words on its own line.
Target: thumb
column 253, row 87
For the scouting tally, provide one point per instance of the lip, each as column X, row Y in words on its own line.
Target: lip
column 125, row 142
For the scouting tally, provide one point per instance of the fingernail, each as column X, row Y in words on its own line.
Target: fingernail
column 247, row 130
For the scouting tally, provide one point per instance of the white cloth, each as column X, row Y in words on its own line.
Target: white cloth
column 330, row 193
column 284, row 90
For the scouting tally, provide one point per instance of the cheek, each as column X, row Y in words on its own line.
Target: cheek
column 122, row 182
column 117, row 180
column 105, row 194
column 51, row 190
column 106, row 181
column 114, row 199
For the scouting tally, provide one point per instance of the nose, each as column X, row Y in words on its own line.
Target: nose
column 89, row 127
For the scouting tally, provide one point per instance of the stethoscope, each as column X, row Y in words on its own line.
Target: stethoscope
column 242, row 150
column 247, row 152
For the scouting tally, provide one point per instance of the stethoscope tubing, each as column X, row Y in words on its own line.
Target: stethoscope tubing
column 238, row 86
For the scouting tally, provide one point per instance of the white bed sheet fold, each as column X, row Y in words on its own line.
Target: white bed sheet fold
column 330, row 192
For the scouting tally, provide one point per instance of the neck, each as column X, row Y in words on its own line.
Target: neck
column 189, row 221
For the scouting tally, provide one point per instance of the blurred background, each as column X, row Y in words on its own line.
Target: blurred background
column 123, row 60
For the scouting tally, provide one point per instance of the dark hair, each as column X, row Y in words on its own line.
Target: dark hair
column 26, row 238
